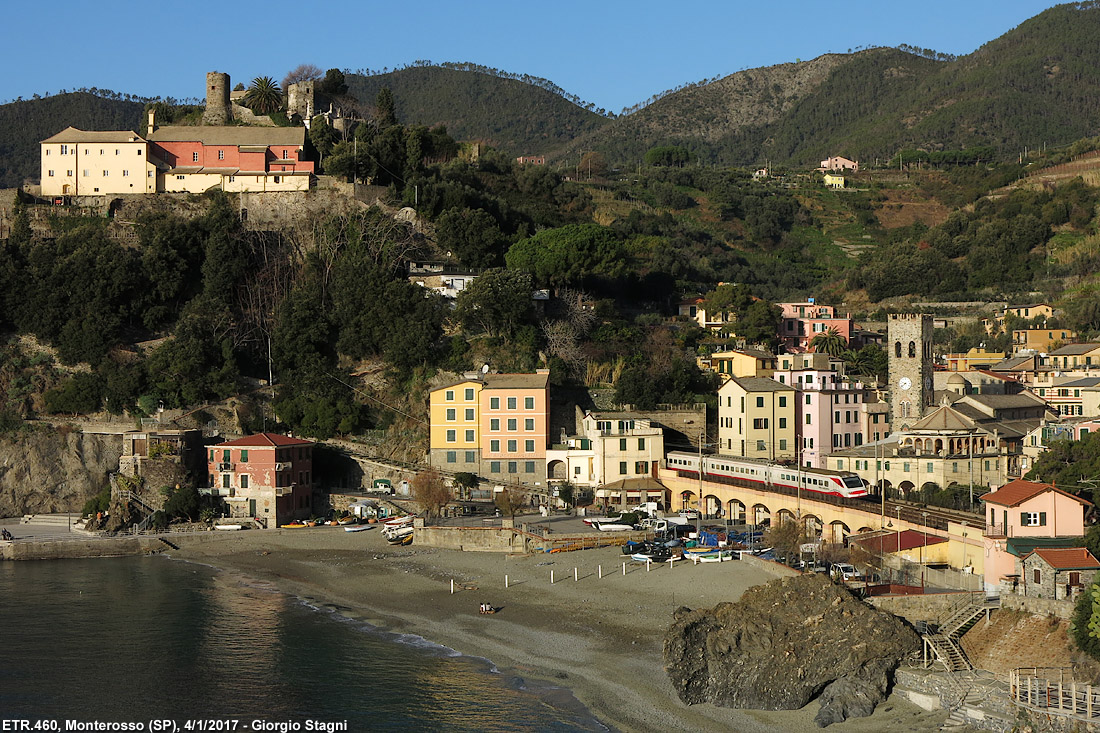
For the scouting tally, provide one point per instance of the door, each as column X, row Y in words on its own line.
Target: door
column 252, row 507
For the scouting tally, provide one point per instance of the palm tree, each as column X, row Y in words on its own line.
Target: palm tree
column 264, row 95
column 830, row 342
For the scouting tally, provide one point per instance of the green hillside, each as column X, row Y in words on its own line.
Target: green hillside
column 26, row 123
column 1037, row 84
column 511, row 115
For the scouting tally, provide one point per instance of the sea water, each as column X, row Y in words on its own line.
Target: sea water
column 141, row 640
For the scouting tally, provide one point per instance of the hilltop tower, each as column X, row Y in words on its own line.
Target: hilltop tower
column 909, row 347
column 218, row 111
column 300, row 100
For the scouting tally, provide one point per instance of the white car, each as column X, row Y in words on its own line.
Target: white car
column 845, row 572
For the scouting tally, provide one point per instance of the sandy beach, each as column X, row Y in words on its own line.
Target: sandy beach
column 600, row 638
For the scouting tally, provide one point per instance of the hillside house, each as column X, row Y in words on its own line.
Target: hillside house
column 837, row 163
column 1057, row 573
column 1027, row 510
column 610, row 446
column 800, row 322
column 832, row 180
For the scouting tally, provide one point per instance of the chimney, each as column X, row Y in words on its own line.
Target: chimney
column 152, row 122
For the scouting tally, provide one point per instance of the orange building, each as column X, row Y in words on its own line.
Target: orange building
column 268, row 477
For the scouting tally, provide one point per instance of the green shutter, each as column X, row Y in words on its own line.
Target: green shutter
column 1023, row 519
column 1042, row 519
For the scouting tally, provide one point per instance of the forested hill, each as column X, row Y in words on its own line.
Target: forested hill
column 26, row 123
column 511, row 115
column 1037, row 84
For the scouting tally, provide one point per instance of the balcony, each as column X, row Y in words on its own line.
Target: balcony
column 997, row 531
column 283, row 490
column 283, row 466
column 226, row 466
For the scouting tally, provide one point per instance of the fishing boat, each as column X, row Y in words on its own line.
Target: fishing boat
column 295, row 525
column 717, row 556
column 358, row 527
column 398, row 536
column 406, row 540
column 611, row 525
column 228, row 527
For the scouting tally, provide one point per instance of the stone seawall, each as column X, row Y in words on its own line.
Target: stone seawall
column 74, row 549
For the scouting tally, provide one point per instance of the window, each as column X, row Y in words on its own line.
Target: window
column 528, row 466
column 807, row 402
column 469, row 394
column 1038, row 576
column 760, row 445
column 64, row 150
column 782, row 401
column 622, row 443
column 84, row 172
column 471, row 456
column 125, row 174
column 452, row 456
column 783, row 444
column 529, row 446
column 622, row 468
column 494, row 424
column 451, row 417
column 51, row 174
column 528, row 403
column 641, row 443
column 760, row 423
column 469, row 414
column 929, row 468
column 782, row 422
column 244, row 480
column 225, row 456
column 513, row 467
column 641, row 467
column 759, row 401
column 225, row 480
column 529, row 423
column 836, row 416
column 494, row 466
column 244, row 456
column 221, row 155
column 494, row 403
column 513, row 446
column 494, row 446
column 194, row 157
column 105, row 174
column 511, row 403
column 451, row 436
column 69, row 172
column 449, row 395
column 469, row 436
column 808, row 419
column 1033, row 519
column 512, row 424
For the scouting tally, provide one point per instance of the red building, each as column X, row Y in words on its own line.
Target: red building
column 265, row 476
column 802, row 321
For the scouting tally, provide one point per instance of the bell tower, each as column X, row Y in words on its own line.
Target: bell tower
column 910, row 351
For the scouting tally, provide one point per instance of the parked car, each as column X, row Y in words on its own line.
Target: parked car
column 845, row 572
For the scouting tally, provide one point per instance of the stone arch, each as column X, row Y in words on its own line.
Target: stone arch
column 863, row 530
column 760, row 513
column 838, row 531
column 556, row 470
column 712, row 506
column 905, row 487
column 784, row 515
column 912, row 349
column 938, row 446
column 811, row 525
column 735, row 510
column 897, row 349
column 687, row 500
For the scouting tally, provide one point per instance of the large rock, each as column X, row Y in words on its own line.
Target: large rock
column 48, row 471
column 786, row 643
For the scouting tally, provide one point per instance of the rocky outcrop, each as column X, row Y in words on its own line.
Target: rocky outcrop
column 786, row 643
column 47, row 470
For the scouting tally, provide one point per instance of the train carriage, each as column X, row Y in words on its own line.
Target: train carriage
column 765, row 474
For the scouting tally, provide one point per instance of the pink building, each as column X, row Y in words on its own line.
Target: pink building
column 802, row 321
column 264, row 476
column 831, row 413
column 1026, row 509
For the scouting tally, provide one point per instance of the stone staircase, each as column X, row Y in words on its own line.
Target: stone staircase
column 943, row 638
column 966, row 614
column 948, row 652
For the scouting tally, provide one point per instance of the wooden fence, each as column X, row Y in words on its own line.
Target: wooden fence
column 1053, row 690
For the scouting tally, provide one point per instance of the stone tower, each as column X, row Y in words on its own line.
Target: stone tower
column 300, row 100
column 909, row 347
column 218, row 111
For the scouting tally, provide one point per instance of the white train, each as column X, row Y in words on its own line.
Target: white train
column 764, row 474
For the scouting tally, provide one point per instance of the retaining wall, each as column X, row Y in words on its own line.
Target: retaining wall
column 913, row 608
column 1038, row 606
column 932, row 689
column 775, row 568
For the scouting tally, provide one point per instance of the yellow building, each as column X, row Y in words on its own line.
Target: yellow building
column 1041, row 339
column 976, row 358
column 746, row 362
column 83, row 163
column 454, row 427
column 1074, row 357
column 834, row 181
column 756, row 418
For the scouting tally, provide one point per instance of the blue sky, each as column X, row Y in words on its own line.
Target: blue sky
column 614, row 54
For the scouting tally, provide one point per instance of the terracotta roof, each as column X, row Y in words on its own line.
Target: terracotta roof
column 76, row 135
column 1017, row 492
column 264, row 440
column 1075, row 350
column 517, row 381
column 944, row 418
column 1070, row 558
column 909, row 539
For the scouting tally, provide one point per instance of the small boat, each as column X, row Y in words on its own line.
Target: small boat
column 399, row 535
column 347, row 520
column 358, row 527
column 406, row 540
column 720, row 556
column 295, row 525
column 399, row 521
column 228, row 527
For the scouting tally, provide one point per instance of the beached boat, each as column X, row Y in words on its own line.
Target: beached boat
column 358, row 527
column 398, row 536
column 406, row 540
column 719, row 556
column 228, row 527
column 611, row 525
column 295, row 525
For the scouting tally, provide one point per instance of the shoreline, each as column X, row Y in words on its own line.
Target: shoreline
column 599, row 639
